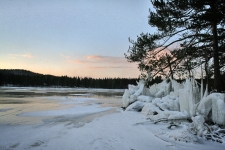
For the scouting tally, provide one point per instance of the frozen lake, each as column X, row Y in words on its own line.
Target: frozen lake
column 29, row 105
column 83, row 119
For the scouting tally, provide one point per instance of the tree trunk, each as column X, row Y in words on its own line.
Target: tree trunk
column 206, row 70
column 171, row 71
column 217, row 80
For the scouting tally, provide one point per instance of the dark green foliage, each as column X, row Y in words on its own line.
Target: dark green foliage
column 157, row 79
column 26, row 78
column 199, row 28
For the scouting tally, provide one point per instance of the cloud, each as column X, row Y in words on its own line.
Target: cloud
column 105, row 59
column 27, row 55
column 100, row 62
column 98, row 59
column 104, row 67
column 76, row 61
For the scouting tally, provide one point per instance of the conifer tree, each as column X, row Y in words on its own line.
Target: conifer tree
column 197, row 25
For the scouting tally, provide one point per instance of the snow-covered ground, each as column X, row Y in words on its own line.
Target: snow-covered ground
column 81, row 122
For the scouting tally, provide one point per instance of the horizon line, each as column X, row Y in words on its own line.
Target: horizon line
column 73, row 76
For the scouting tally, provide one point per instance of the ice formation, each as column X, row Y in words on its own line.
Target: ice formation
column 170, row 100
column 132, row 93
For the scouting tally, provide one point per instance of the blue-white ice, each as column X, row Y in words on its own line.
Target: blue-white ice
column 75, row 111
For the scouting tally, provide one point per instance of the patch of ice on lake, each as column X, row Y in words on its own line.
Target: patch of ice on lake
column 72, row 99
column 77, row 110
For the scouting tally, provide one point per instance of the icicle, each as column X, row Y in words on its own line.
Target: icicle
column 201, row 83
column 206, row 91
column 201, row 88
column 191, row 98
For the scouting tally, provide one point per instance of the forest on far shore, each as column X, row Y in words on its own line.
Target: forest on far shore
column 18, row 77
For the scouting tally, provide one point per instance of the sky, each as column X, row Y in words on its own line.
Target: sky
column 86, row 38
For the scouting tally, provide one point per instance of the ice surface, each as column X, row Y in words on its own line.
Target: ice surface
column 77, row 110
column 124, row 130
column 70, row 98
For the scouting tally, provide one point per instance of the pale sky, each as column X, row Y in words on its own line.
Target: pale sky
column 86, row 38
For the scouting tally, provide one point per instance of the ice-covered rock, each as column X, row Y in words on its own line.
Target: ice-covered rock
column 131, row 94
column 205, row 105
column 154, row 112
column 181, row 134
column 171, row 103
column 145, row 110
column 132, row 88
column 218, row 109
column 126, row 98
column 144, row 98
column 214, row 102
column 136, row 106
column 133, row 98
column 156, row 100
column 172, row 100
column 150, row 109
column 176, row 115
column 197, row 126
column 162, row 105
column 167, row 103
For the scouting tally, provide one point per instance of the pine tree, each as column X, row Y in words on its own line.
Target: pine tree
column 197, row 25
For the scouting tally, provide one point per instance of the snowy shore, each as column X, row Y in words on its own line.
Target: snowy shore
column 87, row 123
column 120, row 131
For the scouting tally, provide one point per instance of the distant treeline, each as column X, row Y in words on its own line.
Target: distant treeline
column 17, row 77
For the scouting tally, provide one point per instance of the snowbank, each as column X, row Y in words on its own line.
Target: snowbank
column 125, row 130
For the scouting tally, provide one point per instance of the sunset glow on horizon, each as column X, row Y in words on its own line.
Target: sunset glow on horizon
column 73, row 38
